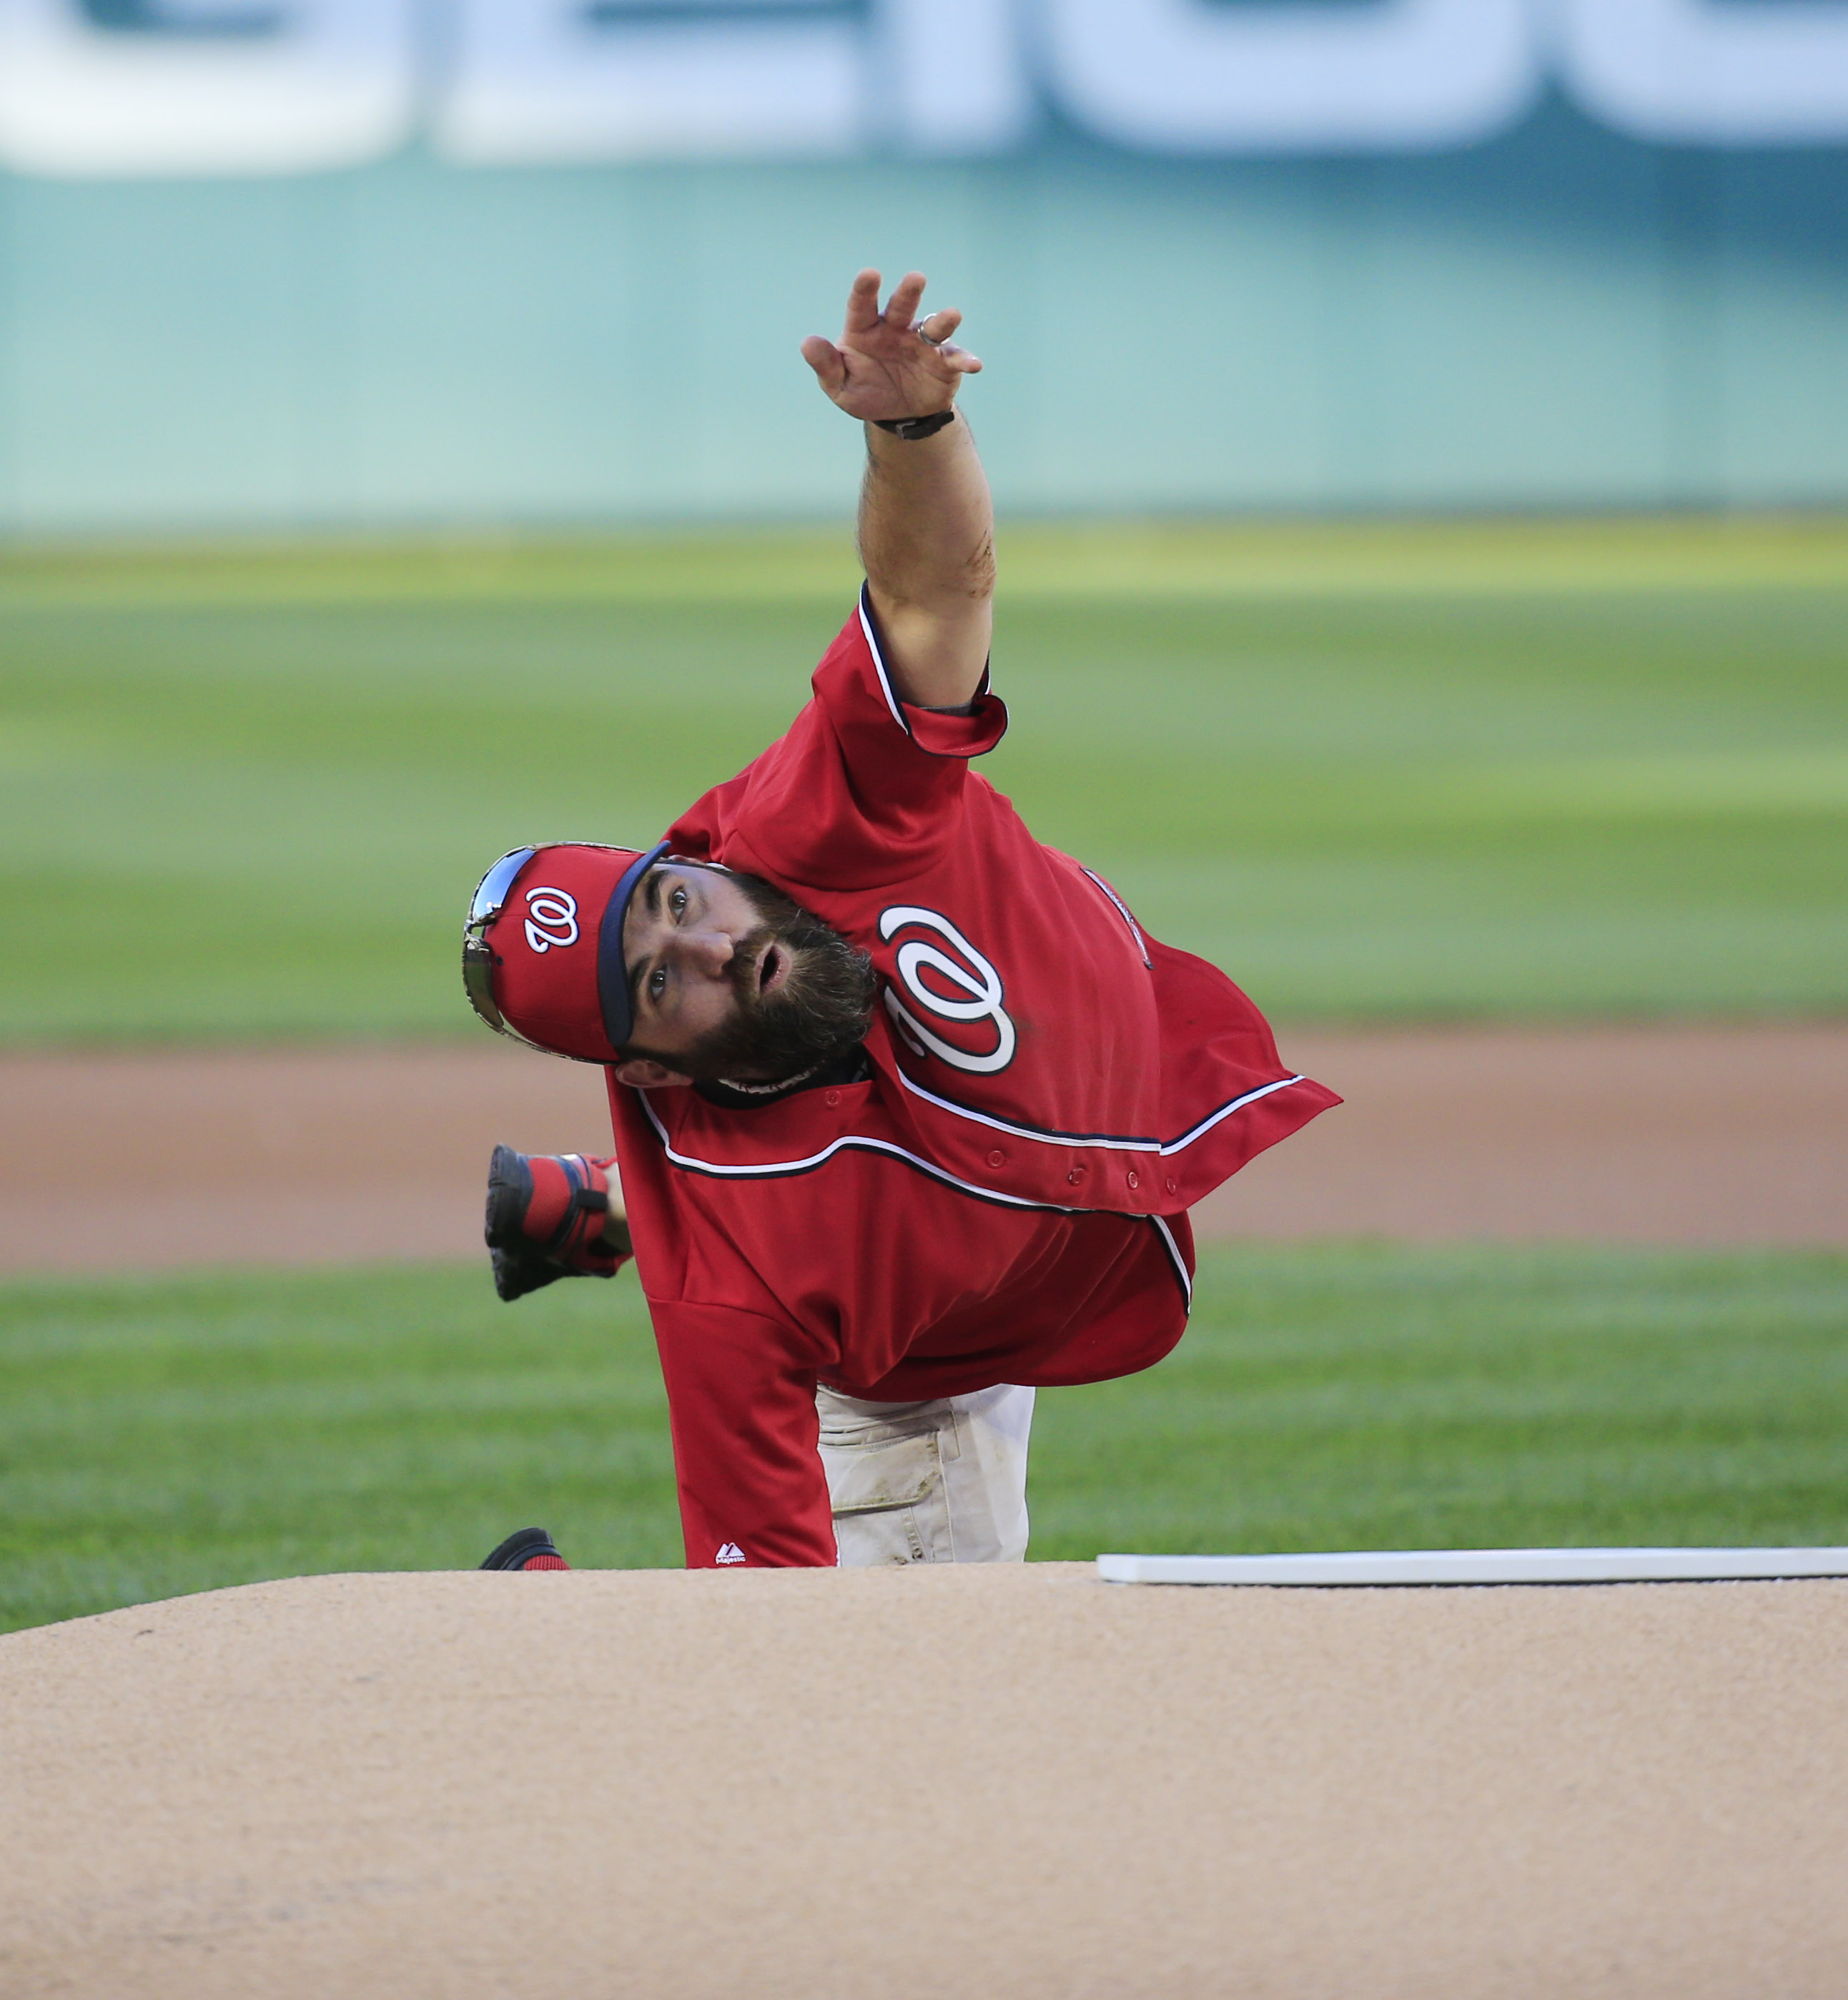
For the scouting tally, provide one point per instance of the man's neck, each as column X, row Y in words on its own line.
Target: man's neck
column 743, row 1094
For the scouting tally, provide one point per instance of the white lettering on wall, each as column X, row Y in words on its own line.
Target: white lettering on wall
column 248, row 87
column 548, row 80
column 538, row 80
column 950, row 76
column 196, row 87
column 1183, row 76
column 1695, row 72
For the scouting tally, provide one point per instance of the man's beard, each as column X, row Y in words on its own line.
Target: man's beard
column 822, row 1008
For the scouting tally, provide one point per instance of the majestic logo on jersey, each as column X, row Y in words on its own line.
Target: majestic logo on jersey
column 730, row 1552
column 963, row 988
column 553, row 918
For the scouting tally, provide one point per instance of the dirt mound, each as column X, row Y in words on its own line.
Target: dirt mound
column 1675, row 1135
column 1007, row 1781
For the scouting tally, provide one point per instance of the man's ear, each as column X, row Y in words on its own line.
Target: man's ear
column 646, row 1075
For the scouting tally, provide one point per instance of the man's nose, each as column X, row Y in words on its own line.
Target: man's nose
column 708, row 951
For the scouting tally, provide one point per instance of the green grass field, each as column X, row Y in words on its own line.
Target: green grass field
column 161, row 1435
column 1558, row 769
column 1565, row 769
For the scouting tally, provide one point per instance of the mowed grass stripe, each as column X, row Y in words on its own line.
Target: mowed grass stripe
column 1161, row 558
column 162, row 1435
column 244, row 797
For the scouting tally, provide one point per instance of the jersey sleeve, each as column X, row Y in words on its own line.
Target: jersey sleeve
column 864, row 790
column 742, row 1411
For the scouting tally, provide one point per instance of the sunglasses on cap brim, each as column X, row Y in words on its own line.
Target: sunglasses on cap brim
column 489, row 901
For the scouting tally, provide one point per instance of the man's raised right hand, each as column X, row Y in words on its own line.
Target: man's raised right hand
column 884, row 368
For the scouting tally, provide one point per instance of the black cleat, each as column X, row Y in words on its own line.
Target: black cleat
column 530, row 1548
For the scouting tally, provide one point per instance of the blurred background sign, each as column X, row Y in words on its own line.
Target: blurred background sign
column 133, row 87
column 299, row 263
column 263, row 86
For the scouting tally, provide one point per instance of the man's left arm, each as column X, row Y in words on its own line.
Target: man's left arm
column 741, row 1407
column 926, row 523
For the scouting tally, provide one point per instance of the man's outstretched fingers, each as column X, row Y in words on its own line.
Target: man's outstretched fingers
column 901, row 308
column 826, row 360
column 863, row 301
column 941, row 325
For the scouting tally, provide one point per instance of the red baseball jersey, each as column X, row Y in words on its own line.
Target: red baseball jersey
column 1003, row 1198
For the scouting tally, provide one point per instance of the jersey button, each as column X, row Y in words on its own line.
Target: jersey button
column 1134, row 1180
column 997, row 1159
column 833, row 1097
column 1172, row 1185
column 1076, row 1177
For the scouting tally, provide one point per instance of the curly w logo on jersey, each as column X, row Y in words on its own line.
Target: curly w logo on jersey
column 965, row 989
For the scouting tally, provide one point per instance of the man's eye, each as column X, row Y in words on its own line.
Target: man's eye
column 677, row 901
column 658, row 982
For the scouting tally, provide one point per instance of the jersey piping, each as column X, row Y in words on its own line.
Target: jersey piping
column 851, row 1142
column 878, row 663
column 898, row 707
column 1136, row 929
column 1175, row 1258
column 787, row 1169
column 1226, row 1110
column 1112, row 1142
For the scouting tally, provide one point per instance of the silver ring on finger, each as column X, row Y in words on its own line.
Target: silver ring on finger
column 919, row 330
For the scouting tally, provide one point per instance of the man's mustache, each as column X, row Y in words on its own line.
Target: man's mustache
column 745, row 971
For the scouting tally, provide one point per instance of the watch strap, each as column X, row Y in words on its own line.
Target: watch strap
column 913, row 427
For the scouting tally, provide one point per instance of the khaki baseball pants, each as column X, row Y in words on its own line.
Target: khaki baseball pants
column 940, row 1481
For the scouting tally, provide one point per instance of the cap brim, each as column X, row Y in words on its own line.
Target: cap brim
column 612, row 972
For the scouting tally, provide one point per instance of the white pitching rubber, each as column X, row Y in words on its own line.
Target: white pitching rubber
column 1368, row 1567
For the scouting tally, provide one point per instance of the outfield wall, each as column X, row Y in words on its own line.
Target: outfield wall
column 1559, row 315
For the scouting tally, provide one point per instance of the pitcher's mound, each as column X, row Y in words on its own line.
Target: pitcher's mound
column 995, row 1784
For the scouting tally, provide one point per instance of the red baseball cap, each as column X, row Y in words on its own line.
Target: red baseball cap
column 542, row 954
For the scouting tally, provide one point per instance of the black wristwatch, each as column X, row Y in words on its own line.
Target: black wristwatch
column 911, row 428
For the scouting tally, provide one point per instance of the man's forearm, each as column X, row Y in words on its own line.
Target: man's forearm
column 926, row 538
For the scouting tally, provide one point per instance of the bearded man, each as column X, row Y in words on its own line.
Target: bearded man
column 909, row 1111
